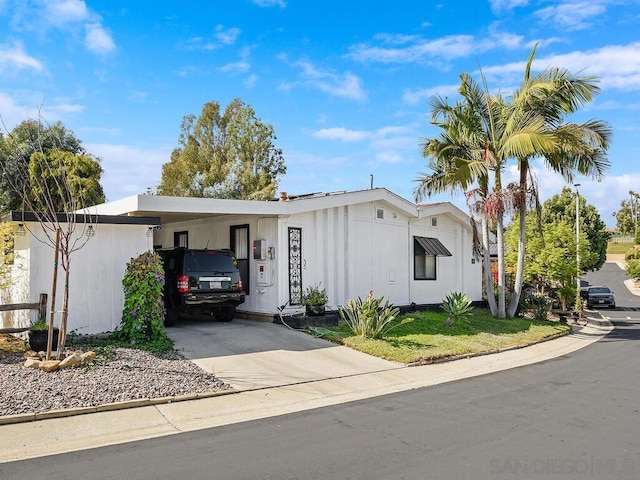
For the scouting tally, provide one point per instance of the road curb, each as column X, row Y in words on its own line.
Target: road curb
column 110, row 407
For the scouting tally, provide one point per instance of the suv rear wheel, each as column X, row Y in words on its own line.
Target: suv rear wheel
column 227, row 314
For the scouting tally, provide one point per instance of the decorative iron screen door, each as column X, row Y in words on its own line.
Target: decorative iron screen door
column 295, row 265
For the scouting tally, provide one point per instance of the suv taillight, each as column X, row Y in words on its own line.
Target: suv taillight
column 240, row 283
column 183, row 284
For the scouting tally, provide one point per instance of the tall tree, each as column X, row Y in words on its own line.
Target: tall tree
column 228, row 154
column 568, row 148
column 477, row 136
column 45, row 171
column 562, row 207
column 627, row 216
column 59, row 152
column 458, row 159
column 530, row 125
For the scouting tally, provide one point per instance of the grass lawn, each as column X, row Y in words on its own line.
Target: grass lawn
column 615, row 248
column 426, row 339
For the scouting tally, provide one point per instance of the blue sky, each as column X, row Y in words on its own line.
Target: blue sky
column 345, row 87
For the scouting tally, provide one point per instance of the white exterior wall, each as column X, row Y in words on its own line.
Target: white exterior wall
column 96, row 297
column 453, row 274
column 350, row 251
column 214, row 233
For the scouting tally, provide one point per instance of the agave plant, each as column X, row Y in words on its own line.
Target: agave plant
column 370, row 318
column 458, row 306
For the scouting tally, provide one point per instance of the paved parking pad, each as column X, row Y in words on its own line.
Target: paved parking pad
column 251, row 355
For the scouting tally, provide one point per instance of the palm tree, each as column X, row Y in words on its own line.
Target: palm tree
column 573, row 148
column 460, row 157
column 482, row 132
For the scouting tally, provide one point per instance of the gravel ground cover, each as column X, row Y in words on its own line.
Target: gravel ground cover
column 130, row 375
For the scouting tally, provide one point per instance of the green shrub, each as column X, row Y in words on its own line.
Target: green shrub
column 370, row 318
column 314, row 295
column 633, row 253
column 633, row 269
column 143, row 312
column 458, row 306
column 539, row 306
column 566, row 294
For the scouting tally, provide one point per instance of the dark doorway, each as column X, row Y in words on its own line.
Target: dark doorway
column 239, row 243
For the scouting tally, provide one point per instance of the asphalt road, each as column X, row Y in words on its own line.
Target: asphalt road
column 576, row 416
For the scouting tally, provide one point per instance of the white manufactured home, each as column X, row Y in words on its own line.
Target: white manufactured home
column 105, row 244
column 348, row 242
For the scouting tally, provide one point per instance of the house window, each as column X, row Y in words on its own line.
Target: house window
column 434, row 221
column 379, row 213
column 424, row 264
column 181, row 239
column 425, row 251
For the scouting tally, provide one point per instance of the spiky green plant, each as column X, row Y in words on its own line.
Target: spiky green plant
column 458, row 306
column 370, row 318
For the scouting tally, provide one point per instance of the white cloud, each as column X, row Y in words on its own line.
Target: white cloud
column 97, row 40
column 342, row 134
column 415, row 49
column 67, row 16
column 346, row 85
column 235, row 68
column 12, row 112
column 221, row 37
column 572, row 16
column 389, row 157
column 499, row 5
column 129, row 169
column 413, row 97
column 227, row 36
column 270, row 3
column 66, row 11
column 251, row 80
column 617, row 66
column 605, row 196
column 391, row 131
column 15, row 58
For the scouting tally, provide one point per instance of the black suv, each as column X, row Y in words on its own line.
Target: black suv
column 202, row 282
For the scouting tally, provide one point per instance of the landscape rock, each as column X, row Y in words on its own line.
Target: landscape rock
column 71, row 360
column 88, row 357
column 49, row 365
column 32, row 363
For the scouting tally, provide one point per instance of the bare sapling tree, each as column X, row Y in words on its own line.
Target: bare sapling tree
column 52, row 187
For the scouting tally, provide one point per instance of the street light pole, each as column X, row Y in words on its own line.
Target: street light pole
column 577, row 239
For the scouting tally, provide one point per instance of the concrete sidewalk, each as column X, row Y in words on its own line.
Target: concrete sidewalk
column 296, row 373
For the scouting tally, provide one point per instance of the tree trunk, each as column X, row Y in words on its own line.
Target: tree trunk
column 522, row 207
column 65, row 301
column 501, row 285
column 517, row 287
column 488, row 278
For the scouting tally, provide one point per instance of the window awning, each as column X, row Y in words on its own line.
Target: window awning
column 433, row 246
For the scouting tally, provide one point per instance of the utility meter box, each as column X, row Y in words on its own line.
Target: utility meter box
column 263, row 274
column 259, row 249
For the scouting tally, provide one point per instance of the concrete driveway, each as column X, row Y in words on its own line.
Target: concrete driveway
column 251, row 355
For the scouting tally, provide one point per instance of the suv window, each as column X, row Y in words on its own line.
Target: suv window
column 599, row 290
column 209, row 262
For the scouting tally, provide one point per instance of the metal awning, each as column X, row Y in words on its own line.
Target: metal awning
column 433, row 246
